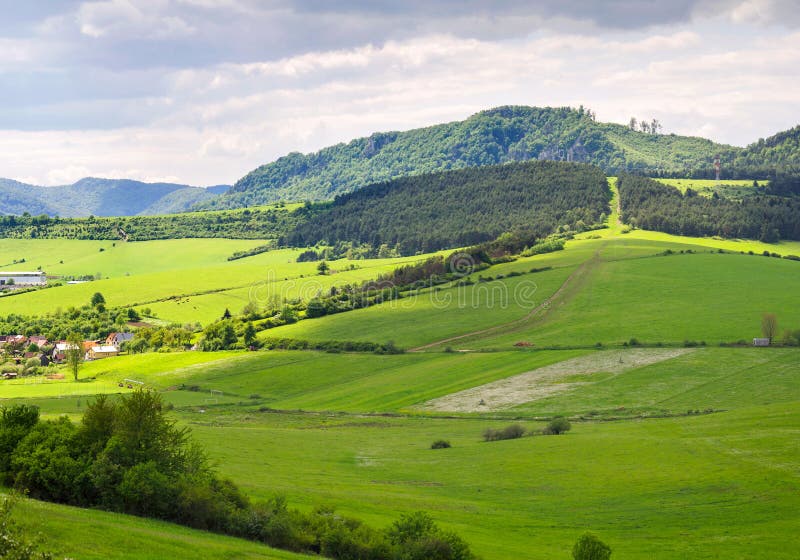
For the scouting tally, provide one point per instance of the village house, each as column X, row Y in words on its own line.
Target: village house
column 118, row 339
column 98, row 352
column 37, row 340
column 59, row 354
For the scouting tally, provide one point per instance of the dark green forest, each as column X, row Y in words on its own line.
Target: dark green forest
column 459, row 208
column 504, row 134
column 648, row 204
column 249, row 223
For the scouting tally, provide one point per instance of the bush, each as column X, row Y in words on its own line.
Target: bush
column 440, row 444
column 514, row 431
column 557, row 426
column 127, row 456
column 589, row 547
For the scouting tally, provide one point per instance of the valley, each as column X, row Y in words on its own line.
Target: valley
column 354, row 430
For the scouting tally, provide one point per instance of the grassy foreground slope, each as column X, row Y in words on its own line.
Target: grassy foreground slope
column 85, row 534
column 698, row 486
column 722, row 485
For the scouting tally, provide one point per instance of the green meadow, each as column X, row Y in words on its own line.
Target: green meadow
column 727, row 188
column 623, row 288
column 707, row 485
column 71, row 532
column 182, row 280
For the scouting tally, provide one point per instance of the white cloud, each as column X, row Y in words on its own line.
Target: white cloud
column 67, row 175
column 212, row 124
column 129, row 19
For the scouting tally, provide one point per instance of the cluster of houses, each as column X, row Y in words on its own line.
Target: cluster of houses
column 16, row 347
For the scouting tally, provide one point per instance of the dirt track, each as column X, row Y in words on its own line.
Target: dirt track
column 544, row 306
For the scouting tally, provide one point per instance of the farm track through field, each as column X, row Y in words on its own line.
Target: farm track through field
column 577, row 275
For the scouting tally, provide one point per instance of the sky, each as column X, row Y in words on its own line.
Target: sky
column 203, row 91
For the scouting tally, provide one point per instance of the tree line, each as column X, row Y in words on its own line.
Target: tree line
column 249, row 223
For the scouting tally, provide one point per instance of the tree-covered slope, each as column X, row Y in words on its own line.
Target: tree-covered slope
column 500, row 135
column 648, row 204
column 461, row 207
column 246, row 223
column 780, row 150
column 100, row 197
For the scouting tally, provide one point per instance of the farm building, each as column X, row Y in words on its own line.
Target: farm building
column 98, row 352
column 760, row 342
column 8, row 278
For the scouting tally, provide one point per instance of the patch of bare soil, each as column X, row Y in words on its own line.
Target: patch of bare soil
column 545, row 381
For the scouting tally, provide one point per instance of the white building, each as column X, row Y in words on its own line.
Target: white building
column 8, row 278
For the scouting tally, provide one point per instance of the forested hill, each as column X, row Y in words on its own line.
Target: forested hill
column 462, row 207
column 648, row 204
column 490, row 137
column 101, row 197
column 247, row 223
column 779, row 151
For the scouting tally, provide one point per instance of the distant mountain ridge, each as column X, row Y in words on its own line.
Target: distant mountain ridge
column 102, row 197
column 501, row 135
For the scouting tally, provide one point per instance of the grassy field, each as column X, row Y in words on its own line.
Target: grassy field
column 691, row 455
column 67, row 257
column 85, row 534
column 700, row 486
column 670, row 299
column 184, row 280
column 626, row 284
column 726, row 188
column 434, row 314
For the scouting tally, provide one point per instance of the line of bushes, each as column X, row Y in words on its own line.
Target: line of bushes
column 331, row 345
column 556, row 426
column 251, row 252
column 127, row 456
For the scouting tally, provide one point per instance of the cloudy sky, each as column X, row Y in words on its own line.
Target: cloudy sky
column 202, row 91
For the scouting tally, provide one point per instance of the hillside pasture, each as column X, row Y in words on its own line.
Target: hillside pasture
column 727, row 188
column 434, row 313
column 667, row 299
column 695, row 486
column 169, row 272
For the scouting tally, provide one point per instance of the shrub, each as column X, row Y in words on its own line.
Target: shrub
column 514, row 431
column 557, row 426
column 589, row 547
column 440, row 444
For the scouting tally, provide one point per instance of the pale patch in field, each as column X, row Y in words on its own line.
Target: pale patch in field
column 548, row 380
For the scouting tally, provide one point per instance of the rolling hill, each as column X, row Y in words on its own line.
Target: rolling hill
column 462, row 207
column 101, row 197
column 513, row 133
